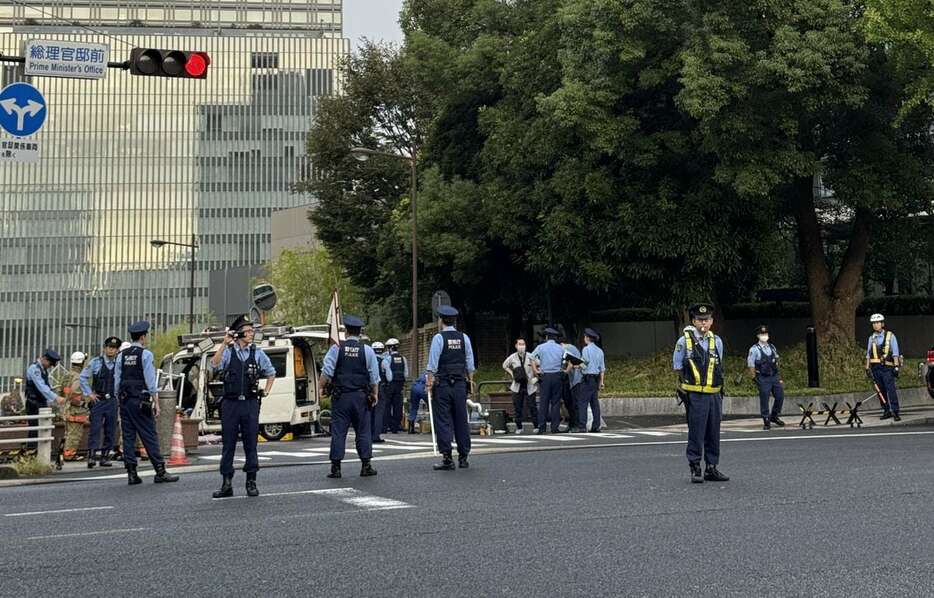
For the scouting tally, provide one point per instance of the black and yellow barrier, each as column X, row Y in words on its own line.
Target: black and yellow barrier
column 832, row 411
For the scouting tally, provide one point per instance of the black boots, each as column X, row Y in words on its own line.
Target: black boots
column 712, row 474
column 162, row 476
column 886, row 414
column 366, row 470
column 765, row 424
column 447, row 464
column 777, row 421
column 92, row 461
column 462, row 462
column 251, row 489
column 132, row 478
column 335, row 470
column 412, row 428
column 105, row 459
column 226, row 490
column 696, row 476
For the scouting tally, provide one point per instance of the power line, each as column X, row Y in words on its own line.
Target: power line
column 72, row 23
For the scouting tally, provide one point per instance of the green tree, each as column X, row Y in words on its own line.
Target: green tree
column 304, row 281
column 164, row 342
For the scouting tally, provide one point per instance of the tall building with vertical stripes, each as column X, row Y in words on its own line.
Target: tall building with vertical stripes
column 128, row 159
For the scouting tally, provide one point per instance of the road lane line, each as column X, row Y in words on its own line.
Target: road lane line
column 56, row 511
column 649, row 433
column 81, row 534
column 350, row 496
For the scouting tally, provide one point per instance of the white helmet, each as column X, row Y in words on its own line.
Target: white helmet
column 393, row 342
column 77, row 358
column 125, row 345
column 876, row 318
column 378, row 346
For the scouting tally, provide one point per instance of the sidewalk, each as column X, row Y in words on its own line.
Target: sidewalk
column 911, row 416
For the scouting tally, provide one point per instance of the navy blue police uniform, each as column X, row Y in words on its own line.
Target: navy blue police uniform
column 394, row 391
column 104, row 409
column 37, row 392
column 450, row 361
column 763, row 359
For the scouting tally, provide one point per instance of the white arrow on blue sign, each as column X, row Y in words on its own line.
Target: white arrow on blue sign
column 22, row 109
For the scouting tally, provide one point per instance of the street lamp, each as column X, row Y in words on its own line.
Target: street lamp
column 158, row 244
column 363, row 154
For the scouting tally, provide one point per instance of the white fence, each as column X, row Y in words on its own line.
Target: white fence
column 43, row 431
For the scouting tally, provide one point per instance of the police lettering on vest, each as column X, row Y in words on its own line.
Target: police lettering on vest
column 350, row 373
column 132, row 379
column 702, row 371
column 397, row 365
column 452, row 364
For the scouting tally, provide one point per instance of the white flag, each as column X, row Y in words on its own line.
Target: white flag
column 334, row 319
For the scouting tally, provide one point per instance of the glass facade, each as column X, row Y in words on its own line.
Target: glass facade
column 129, row 159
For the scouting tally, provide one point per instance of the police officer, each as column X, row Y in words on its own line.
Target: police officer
column 571, row 386
column 97, row 384
column 76, row 409
column 37, row 390
column 399, row 373
column 450, row 367
column 378, row 411
column 417, row 393
column 698, row 362
column 762, row 364
column 883, row 360
column 594, row 371
column 242, row 364
column 136, row 385
column 352, row 370
column 548, row 357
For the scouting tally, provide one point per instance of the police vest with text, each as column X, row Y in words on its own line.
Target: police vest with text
column 397, row 367
column 350, row 373
column 886, row 359
column 702, row 371
column 132, row 377
column 452, row 363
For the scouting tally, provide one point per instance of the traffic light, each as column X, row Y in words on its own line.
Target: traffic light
column 149, row 62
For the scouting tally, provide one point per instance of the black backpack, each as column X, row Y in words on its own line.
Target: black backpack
column 518, row 372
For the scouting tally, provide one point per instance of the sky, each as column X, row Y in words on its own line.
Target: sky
column 373, row 19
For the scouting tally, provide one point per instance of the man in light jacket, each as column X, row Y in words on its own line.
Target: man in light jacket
column 524, row 388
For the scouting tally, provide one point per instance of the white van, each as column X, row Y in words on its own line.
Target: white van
column 293, row 405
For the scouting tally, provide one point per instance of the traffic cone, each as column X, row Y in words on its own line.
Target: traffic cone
column 177, row 456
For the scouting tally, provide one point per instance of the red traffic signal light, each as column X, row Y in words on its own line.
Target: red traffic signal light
column 150, row 62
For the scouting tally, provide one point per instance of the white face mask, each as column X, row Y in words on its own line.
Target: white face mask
column 763, row 338
column 520, row 348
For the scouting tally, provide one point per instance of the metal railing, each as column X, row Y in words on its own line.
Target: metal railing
column 43, row 431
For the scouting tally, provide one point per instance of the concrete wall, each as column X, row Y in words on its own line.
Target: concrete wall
column 291, row 229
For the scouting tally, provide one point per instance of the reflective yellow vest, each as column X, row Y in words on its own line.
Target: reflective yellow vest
column 887, row 357
column 712, row 381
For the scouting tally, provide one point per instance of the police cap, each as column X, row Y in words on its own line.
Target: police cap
column 701, row 311
column 446, row 311
column 112, row 341
column 591, row 333
column 551, row 331
column 240, row 322
column 141, row 327
column 761, row 329
column 52, row 355
column 352, row 321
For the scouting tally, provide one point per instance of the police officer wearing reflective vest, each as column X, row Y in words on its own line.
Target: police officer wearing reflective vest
column 698, row 362
column 136, row 386
column 883, row 360
column 351, row 369
column 762, row 364
column 97, row 384
column 548, row 357
column 399, row 372
column 37, row 391
column 243, row 364
column 450, row 368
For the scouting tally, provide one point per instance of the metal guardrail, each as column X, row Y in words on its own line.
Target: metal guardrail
column 44, row 433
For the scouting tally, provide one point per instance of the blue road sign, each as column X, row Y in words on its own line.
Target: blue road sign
column 22, row 109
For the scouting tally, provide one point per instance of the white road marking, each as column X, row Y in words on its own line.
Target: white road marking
column 240, row 459
column 81, row 534
column 558, row 437
column 350, row 496
column 649, row 433
column 486, row 440
column 607, row 435
column 404, row 447
column 57, row 511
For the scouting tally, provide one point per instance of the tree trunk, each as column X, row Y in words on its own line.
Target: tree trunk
column 834, row 300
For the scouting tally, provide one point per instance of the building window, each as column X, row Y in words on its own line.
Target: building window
column 264, row 60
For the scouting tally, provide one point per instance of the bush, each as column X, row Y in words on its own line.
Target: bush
column 29, row 466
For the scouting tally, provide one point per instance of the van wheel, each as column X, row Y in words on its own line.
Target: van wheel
column 273, row 432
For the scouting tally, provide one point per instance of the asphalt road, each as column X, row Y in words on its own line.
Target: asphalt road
column 806, row 514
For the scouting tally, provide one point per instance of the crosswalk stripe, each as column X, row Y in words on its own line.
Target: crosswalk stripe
column 499, row 441
column 649, row 432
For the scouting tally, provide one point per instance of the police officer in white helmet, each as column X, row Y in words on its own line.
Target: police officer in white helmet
column 883, row 360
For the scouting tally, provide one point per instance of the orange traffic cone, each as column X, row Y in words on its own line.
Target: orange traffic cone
column 177, row 456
